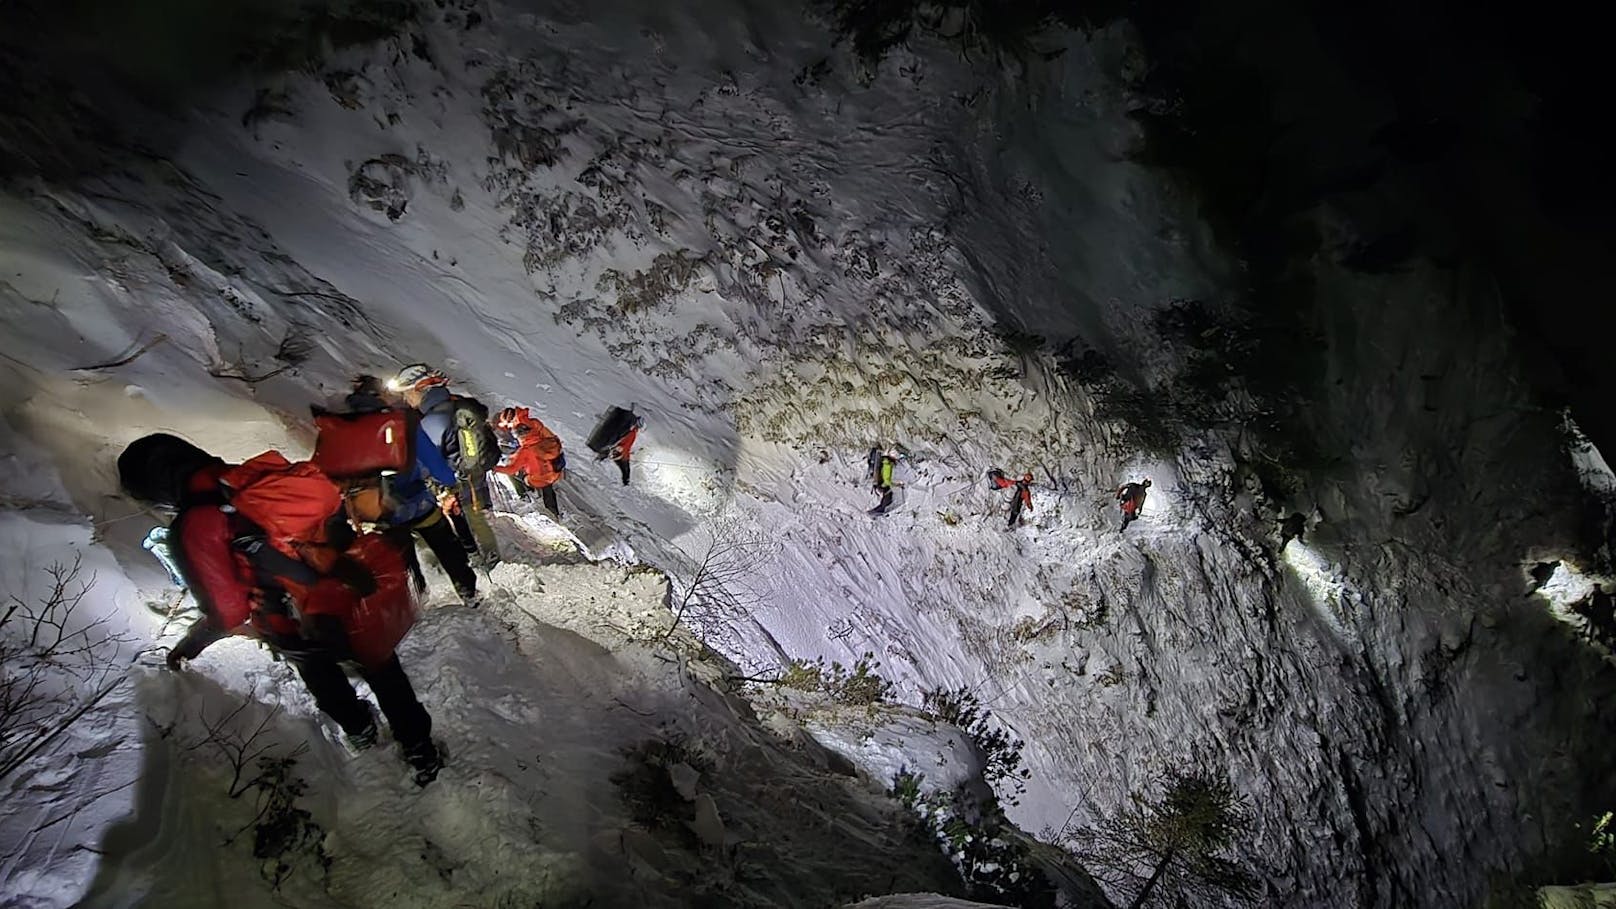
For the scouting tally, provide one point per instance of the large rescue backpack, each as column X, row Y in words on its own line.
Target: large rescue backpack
column 290, row 503
column 367, row 452
column 614, row 424
column 355, row 446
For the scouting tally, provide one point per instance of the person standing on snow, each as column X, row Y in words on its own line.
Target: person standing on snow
column 458, row 426
column 260, row 561
column 1020, row 500
column 614, row 437
column 406, row 499
column 537, row 461
column 1131, row 499
column 884, row 465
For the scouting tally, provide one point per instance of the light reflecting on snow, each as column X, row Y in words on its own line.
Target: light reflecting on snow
column 1566, row 586
column 1317, row 574
column 1590, row 464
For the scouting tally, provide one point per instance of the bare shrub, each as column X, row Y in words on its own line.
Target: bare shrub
column 723, row 586
column 284, row 835
column 56, row 664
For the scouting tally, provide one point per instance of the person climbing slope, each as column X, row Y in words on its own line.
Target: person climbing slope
column 267, row 553
column 1599, row 610
column 614, row 437
column 1131, row 499
column 458, row 426
column 1020, row 500
column 881, row 478
column 390, row 482
column 537, row 461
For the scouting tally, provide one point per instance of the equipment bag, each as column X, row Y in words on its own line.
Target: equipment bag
column 614, row 424
column 353, row 445
column 289, row 502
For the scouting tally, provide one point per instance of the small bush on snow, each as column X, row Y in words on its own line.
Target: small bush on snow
column 647, row 788
column 975, row 834
column 860, row 686
column 1001, row 750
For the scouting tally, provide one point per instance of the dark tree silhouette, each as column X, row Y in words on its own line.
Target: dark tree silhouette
column 1166, row 850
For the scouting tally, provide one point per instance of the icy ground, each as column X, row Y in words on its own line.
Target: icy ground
column 712, row 214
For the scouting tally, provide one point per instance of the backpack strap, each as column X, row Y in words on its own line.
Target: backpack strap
column 270, row 565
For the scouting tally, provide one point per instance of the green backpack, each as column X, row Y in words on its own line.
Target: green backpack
column 477, row 449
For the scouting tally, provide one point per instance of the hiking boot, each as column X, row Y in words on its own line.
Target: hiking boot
column 426, row 759
column 355, row 742
column 362, row 740
column 470, row 596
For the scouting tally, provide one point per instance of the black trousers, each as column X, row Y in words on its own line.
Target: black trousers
column 622, row 465
column 886, row 500
column 547, row 493
column 336, row 697
column 1015, row 511
column 439, row 536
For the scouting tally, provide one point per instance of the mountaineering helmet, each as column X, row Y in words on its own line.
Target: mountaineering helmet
column 1027, row 477
column 417, row 376
column 507, row 418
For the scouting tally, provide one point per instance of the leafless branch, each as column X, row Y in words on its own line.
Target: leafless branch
column 722, row 585
column 126, row 358
column 238, row 748
column 55, row 664
column 294, row 350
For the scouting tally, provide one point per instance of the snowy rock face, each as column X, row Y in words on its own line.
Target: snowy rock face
column 709, row 214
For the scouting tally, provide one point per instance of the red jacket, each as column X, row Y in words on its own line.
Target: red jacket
column 625, row 445
column 232, row 591
column 1000, row 481
column 538, row 450
column 219, row 576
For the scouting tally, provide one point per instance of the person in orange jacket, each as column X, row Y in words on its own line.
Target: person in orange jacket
column 1020, row 500
column 538, row 461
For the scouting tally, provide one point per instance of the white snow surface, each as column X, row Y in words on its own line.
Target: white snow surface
column 780, row 267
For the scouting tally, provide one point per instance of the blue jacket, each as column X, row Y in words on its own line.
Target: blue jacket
column 437, row 419
column 409, row 488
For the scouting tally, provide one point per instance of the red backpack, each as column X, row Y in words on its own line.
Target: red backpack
column 376, row 623
column 290, row 502
column 352, row 446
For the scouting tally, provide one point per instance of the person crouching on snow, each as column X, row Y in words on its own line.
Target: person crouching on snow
column 266, row 552
column 537, row 461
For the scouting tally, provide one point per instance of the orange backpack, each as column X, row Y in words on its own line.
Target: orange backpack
column 290, row 502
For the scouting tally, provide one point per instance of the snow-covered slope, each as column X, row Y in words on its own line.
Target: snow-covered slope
column 709, row 214
column 587, row 770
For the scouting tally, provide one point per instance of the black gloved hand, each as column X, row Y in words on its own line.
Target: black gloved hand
column 354, row 576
